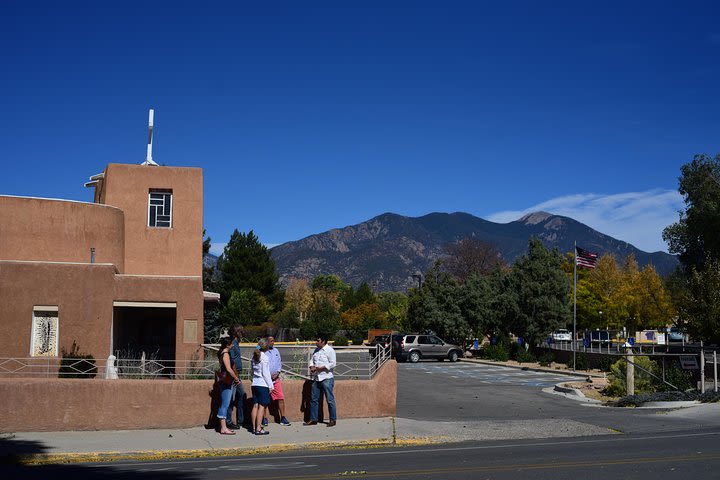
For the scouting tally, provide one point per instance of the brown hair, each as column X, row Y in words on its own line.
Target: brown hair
column 263, row 344
column 224, row 343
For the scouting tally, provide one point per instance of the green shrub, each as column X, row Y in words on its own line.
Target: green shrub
column 546, row 358
column 581, row 361
column 676, row 376
column 75, row 364
column 340, row 340
column 499, row 352
column 525, row 356
column 644, row 382
column 605, row 362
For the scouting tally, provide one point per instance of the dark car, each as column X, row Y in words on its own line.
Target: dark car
column 386, row 340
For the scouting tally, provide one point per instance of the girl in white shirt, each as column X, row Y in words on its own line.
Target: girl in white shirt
column 262, row 385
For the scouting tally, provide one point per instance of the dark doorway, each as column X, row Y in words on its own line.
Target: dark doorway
column 144, row 329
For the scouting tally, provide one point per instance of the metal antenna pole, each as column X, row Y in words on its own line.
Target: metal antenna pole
column 148, row 159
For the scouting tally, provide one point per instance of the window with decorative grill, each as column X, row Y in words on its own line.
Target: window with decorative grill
column 160, row 208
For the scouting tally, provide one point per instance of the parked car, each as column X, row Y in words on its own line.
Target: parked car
column 675, row 335
column 387, row 339
column 561, row 335
column 415, row 346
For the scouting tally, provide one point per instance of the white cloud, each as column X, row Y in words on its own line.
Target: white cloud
column 634, row 217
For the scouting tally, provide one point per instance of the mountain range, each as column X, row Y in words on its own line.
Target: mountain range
column 386, row 251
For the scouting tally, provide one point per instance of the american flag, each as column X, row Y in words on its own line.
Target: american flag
column 584, row 258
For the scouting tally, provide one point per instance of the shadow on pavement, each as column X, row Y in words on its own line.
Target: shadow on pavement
column 11, row 452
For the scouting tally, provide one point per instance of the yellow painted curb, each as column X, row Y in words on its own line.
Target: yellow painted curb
column 96, row 457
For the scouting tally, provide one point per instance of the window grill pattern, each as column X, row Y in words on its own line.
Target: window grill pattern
column 160, row 209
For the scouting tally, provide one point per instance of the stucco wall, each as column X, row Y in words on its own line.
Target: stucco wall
column 84, row 295
column 158, row 251
column 77, row 404
column 39, row 229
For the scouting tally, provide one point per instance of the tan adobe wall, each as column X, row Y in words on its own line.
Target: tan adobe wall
column 158, row 251
column 84, row 295
column 40, row 229
column 78, row 404
column 81, row 292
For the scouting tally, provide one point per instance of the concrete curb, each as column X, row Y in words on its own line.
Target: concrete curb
column 535, row 369
column 103, row 457
column 571, row 394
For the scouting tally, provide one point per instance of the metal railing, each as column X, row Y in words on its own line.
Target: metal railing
column 353, row 362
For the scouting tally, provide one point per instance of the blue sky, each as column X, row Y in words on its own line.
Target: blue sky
column 307, row 116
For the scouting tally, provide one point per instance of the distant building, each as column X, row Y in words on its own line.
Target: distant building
column 122, row 274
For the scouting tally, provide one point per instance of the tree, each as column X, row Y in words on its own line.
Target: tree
column 483, row 302
column 363, row 317
column 395, row 305
column 246, row 264
column 469, row 256
column 542, row 293
column 699, row 310
column 298, row 296
column 695, row 236
column 436, row 306
column 245, row 307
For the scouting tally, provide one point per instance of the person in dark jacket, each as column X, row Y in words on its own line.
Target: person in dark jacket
column 238, row 397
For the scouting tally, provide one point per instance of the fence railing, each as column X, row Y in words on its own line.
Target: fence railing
column 353, row 362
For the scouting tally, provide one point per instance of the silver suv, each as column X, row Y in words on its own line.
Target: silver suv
column 417, row 346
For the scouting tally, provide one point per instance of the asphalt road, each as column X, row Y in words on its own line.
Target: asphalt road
column 663, row 456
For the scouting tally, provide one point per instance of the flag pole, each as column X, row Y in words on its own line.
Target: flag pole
column 574, row 339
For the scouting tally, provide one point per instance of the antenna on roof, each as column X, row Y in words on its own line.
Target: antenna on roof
column 149, row 160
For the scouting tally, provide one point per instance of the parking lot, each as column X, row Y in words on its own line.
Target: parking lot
column 479, row 374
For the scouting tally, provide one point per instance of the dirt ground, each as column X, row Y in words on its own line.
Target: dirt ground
column 592, row 389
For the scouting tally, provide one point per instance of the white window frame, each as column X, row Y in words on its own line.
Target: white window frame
column 163, row 191
column 44, row 308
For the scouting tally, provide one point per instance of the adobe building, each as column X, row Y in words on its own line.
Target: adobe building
column 121, row 274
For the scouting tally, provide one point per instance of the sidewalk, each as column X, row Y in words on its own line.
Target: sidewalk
column 93, row 446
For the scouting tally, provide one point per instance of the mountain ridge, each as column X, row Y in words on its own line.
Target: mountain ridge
column 388, row 249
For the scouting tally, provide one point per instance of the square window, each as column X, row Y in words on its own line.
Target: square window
column 160, row 208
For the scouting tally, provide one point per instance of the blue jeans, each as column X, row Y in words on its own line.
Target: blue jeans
column 225, row 396
column 239, row 403
column 327, row 387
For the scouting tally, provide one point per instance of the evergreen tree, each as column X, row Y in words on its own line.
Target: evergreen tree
column 246, row 264
column 436, row 306
column 542, row 293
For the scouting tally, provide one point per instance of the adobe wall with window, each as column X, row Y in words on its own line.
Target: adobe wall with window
column 77, row 302
column 173, row 245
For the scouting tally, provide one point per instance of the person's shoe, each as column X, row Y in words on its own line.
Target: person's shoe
column 332, row 423
column 311, row 422
column 284, row 422
column 233, row 426
column 265, row 422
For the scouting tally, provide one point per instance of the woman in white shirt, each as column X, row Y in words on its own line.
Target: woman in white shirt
column 262, row 385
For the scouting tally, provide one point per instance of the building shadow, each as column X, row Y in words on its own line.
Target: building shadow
column 14, row 452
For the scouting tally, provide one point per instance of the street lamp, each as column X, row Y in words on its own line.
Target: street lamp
column 600, row 313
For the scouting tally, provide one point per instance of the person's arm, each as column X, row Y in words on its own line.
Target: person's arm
column 331, row 359
column 265, row 370
column 228, row 367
